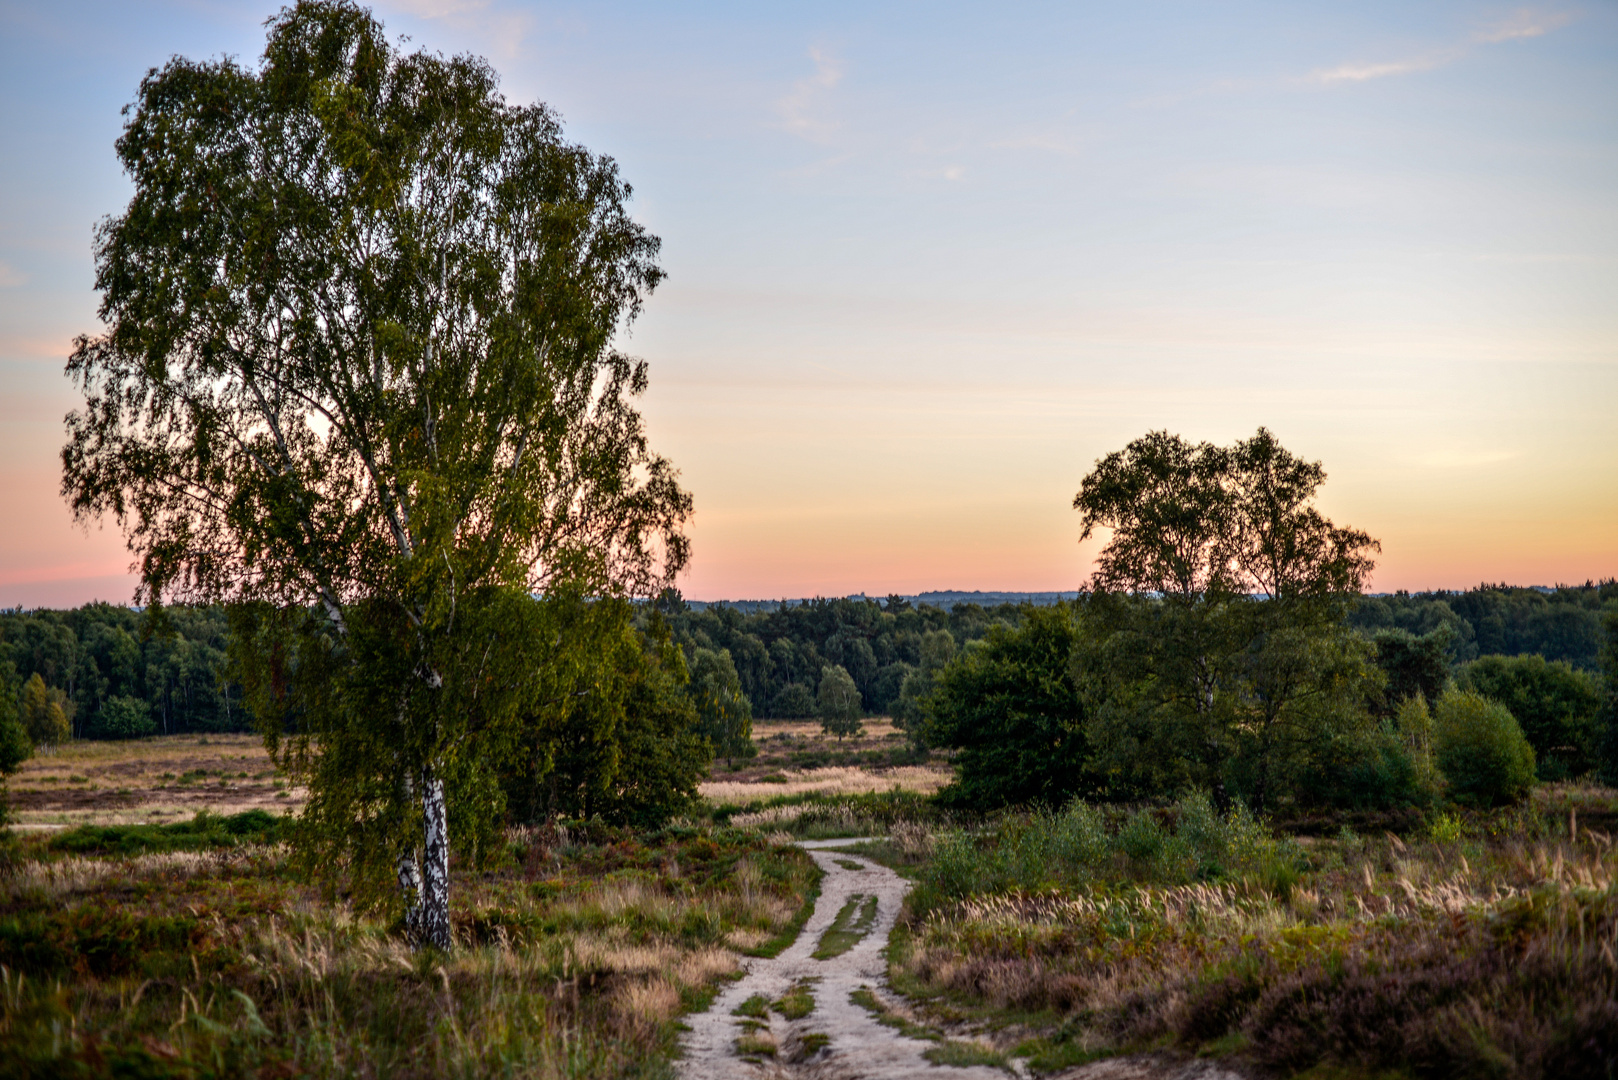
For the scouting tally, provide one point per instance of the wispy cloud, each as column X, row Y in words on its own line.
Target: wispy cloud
column 1524, row 23
column 1362, row 72
column 800, row 107
column 11, row 277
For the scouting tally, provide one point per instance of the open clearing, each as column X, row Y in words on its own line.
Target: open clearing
column 147, row 781
column 796, row 758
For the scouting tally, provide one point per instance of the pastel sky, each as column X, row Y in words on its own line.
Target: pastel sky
column 927, row 262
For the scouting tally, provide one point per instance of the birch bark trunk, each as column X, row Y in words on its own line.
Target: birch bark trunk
column 435, row 929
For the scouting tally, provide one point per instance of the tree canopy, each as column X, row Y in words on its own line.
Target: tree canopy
column 359, row 354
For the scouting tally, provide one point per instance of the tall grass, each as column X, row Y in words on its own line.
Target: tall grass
column 575, row 955
column 1078, row 846
column 1485, row 945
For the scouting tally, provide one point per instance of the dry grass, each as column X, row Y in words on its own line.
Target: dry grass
column 573, row 964
column 880, row 727
column 1489, row 954
column 147, row 781
column 831, row 782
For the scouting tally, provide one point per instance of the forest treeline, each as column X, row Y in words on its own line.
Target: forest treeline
column 116, row 673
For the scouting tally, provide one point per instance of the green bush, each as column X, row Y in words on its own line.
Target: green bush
column 1556, row 705
column 1190, row 841
column 199, row 834
column 1481, row 750
column 126, row 718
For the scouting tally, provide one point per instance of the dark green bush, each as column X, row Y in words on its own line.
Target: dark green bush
column 1556, row 705
column 1481, row 750
column 199, row 834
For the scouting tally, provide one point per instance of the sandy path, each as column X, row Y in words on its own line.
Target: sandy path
column 859, row 1046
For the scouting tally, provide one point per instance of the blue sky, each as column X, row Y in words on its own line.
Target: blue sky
column 928, row 262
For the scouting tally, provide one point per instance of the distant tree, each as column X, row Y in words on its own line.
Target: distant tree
column 1414, row 666
column 1607, row 723
column 839, row 700
column 1557, row 706
column 795, row 702
column 616, row 736
column 936, row 649
column 126, row 718
column 1013, row 710
column 1226, row 589
column 358, row 379
column 45, row 712
column 1481, row 750
column 15, row 745
column 724, row 713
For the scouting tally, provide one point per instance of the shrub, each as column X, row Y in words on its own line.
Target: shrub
column 201, row 833
column 126, row 718
column 795, row 702
column 1481, row 750
column 1556, row 705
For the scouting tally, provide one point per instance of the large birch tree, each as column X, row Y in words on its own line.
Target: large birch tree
column 358, row 377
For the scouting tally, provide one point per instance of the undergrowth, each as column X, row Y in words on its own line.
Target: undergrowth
column 1484, row 945
column 577, row 949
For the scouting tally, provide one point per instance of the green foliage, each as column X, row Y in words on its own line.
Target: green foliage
column 1481, row 750
column 1220, row 657
column 1414, row 666
column 1607, row 749
column 45, row 712
column 204, row 832
column 1556, row 705
column 417, row 442
column 724, row 713
column 1564, row 623
column 796, row 701
column 171, row 658
column 1011, row 708
column 623, row 742
column 15, row 744
column 125, row 718
column 839, row 703
column 881, row 644
column 1080, row 847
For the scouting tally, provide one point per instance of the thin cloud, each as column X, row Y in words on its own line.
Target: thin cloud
column 798, row 108
column 1525, row 23
column 1363, row 72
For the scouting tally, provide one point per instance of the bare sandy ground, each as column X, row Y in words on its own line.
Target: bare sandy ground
column 857, row 1047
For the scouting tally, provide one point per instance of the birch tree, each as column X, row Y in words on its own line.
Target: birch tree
column 1223, row 591
column 359, row 377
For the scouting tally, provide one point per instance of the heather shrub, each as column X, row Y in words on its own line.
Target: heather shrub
column 1481, row 750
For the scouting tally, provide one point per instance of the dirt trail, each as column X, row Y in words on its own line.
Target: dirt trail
column 856, row 1047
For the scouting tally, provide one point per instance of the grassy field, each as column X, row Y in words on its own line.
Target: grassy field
column 147, row 780
column 138, row 939
column 1480, row 945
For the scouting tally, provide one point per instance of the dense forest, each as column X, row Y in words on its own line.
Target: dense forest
column 117, row 673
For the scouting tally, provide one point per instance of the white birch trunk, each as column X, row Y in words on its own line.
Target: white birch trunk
column 410, row 885
column 435, row 928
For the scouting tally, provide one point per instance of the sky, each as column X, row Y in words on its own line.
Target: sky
column 928, row 262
